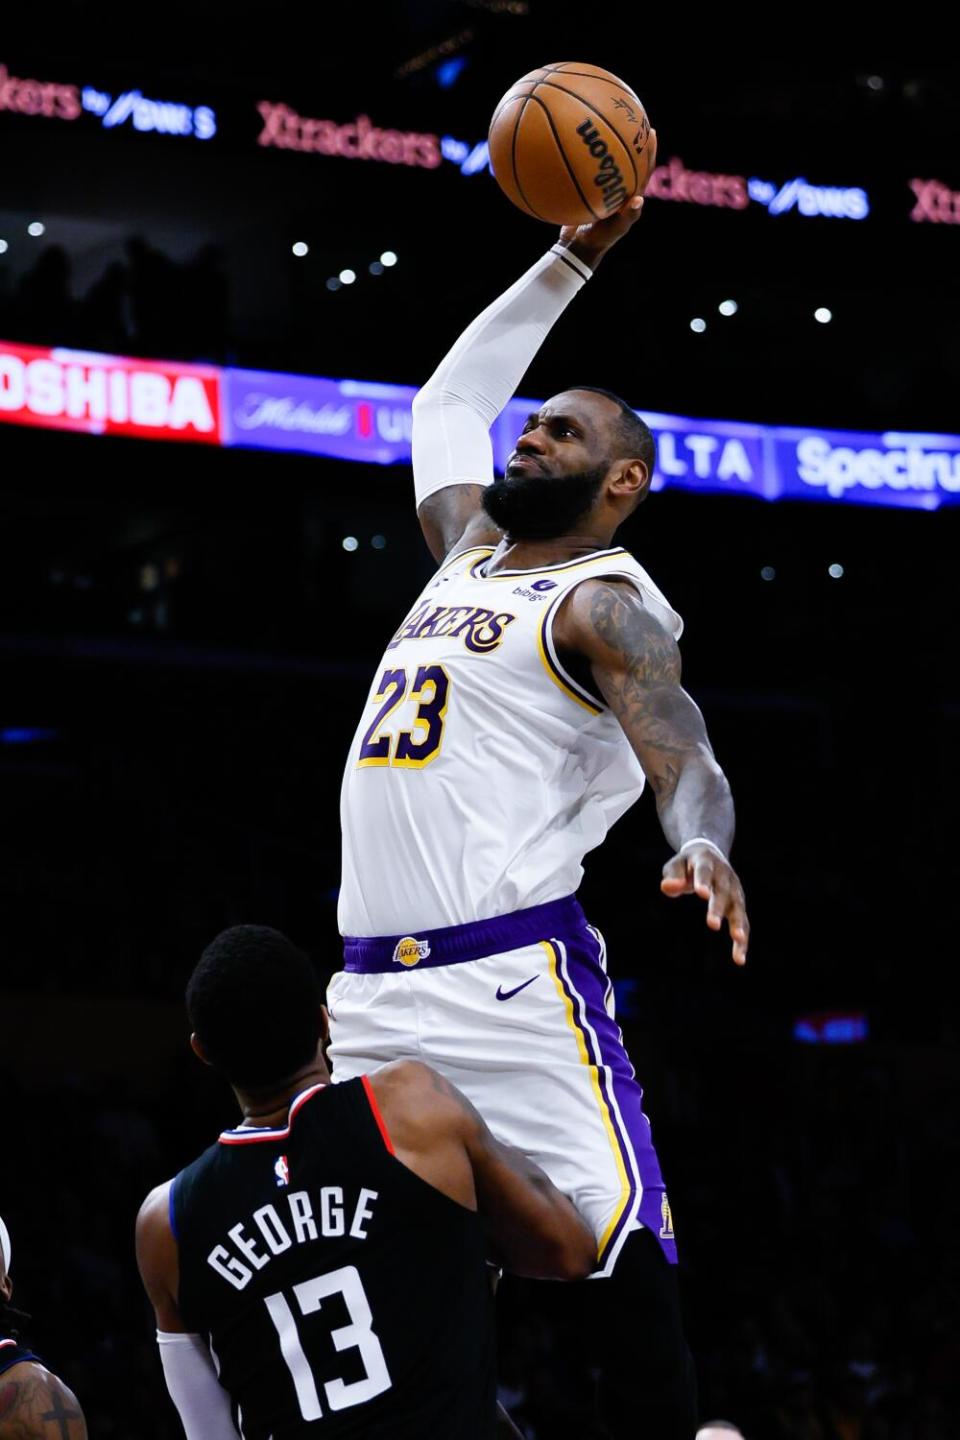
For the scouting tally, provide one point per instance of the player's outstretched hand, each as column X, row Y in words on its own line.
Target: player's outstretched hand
column 701, row 871
column 591, row 242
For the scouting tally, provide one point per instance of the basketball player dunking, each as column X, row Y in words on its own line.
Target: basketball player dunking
column 519, row 707
column 320, row 1270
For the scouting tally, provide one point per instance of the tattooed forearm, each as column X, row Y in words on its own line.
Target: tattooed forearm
column 638, row 671
column 37, row 1406
column 636, row 664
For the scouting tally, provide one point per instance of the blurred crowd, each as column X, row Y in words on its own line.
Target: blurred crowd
column 146, row 304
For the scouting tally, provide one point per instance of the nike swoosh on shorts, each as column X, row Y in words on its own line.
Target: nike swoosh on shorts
column 509, row 994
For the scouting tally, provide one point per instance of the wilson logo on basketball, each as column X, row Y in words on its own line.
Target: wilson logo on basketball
column 608, row 176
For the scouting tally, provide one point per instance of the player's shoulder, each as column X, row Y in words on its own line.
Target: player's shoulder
column 607, row 617
column 156, row 1204
column 153, row 1229
column 403, row 1077
column 30, row 1395
column 417, row 1096
column 620, row 589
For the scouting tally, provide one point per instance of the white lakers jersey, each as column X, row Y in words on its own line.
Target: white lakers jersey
column 482, row 771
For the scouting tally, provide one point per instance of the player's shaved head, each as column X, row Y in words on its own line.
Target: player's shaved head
column 254, row 1003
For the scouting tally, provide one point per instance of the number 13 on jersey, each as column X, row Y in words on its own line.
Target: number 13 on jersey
column 407, row 749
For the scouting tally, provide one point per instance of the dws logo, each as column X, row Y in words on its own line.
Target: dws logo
column 166, row 117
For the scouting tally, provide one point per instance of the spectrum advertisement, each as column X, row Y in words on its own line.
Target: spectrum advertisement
column 372, row 422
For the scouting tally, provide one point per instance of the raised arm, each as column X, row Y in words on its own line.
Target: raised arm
column 452, row 414
column 636, row 665
column 437, row 1133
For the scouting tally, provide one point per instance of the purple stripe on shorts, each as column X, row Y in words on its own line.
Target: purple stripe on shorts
column 586, row 982
column 372, row 954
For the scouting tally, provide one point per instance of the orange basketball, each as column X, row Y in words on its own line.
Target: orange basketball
column 570, row 143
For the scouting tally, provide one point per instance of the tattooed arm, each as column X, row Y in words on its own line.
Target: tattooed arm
column 35, row 1405
column 636, row 665
column 437, row 1133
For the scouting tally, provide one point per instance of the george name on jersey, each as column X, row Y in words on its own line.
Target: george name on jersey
column 274, row 1229
column 478, row 629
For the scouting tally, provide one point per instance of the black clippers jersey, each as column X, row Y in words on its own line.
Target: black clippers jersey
column 342, row 1295
column 13, row 1353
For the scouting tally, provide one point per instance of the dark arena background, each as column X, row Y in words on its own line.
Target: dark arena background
column 189, row 620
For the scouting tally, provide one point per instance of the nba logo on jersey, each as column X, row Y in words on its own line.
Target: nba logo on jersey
column 409, row 951
column 282, row 1170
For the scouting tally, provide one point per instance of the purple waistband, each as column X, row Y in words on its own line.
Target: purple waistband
column 371, row 954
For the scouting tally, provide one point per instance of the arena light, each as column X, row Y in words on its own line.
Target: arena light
column 300, row 248
column 388, row 258
column 375, row 267
column 4, row 247
column 768, row 573
column 697, row 325
column 835, row 572
column 36, row 228
column 351, row 543
column 347, row 277
column 823, row 315
column 379, row 542
column 333, row 283
column 25, row 735
column 728, row 307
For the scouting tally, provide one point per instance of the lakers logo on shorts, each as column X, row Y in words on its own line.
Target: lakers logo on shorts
column 666, row 1216
column 409, row 951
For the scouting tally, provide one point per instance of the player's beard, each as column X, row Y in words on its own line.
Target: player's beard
column 534, row 504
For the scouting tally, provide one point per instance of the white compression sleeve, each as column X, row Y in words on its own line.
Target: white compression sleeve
column 201, row 1401
column 453, row 412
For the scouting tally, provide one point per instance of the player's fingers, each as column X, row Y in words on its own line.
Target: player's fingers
column 739, row 928
column 718, row 905
column 703, row 881
column 677, row 879
column 652, row 147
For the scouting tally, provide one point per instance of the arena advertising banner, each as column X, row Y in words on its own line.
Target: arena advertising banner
column 109, row 394
column 357, row 420
column 372, row 422
column 344, row 132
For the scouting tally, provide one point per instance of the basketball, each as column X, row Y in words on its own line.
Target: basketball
column 570, row 143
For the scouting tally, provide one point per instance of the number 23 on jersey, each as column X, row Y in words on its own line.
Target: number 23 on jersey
column 414, row 748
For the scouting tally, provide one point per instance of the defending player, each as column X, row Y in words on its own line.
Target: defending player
column 331, row 1246
column 34, row 1404
column 518, row 709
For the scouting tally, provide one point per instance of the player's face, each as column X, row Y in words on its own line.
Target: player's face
column 554, row 475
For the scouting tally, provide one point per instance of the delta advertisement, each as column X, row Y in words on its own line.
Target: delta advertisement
column 366, row 421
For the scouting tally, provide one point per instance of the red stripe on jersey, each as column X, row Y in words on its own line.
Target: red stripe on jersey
column 254, row 1136
column 375, row 1108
